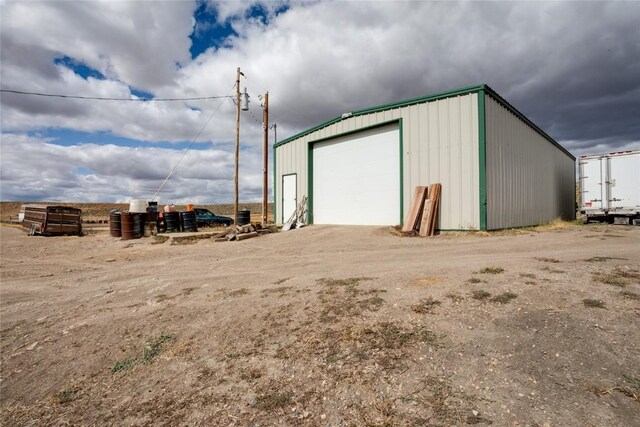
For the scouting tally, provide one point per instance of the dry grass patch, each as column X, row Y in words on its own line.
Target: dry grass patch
column 425, row 306
column 593, row 303
column 152, row 349
column 603, row 259
column 474, row 280
column 630, row 295
column 67, row 395
column 629, row 387
column 492, row 270
column 619, row 276
column 456, row 298
column 504, row 297
column 270, row 401
column 342, row 298
column 480, row 294
column 551, row 260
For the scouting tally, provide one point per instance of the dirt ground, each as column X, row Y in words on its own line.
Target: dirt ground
column 323, row 326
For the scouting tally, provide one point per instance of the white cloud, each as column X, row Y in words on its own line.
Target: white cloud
column 43, row 170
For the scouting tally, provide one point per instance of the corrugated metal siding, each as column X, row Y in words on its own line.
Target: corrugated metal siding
column 530, row 181
column 440, row 144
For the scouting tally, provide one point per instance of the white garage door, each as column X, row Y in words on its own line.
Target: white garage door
column 356, row 178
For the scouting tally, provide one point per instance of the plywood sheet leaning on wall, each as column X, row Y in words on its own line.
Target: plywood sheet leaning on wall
column 412, row 220
column 430, row 211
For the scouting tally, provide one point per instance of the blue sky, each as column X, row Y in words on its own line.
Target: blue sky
column 570, row 67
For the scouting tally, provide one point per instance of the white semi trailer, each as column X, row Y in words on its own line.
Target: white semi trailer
column 610, row 187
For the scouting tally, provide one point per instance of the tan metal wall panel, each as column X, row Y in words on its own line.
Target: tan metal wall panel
column 529, row 180
column 440, row 144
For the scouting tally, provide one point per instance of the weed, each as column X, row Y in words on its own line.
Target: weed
column 619, row 276
column 339, row 299
column 251, row 374
column 593, row 303
column 281, row 281
column 455, row 297
column 151, row 350
column 504, row 297
column 480, row 294
column 551, row 260
column 492, row 270
column 371, row 304
column 630, row 295
column 528, row 275
column 530, row 282
column 123, row 365
column 162, row 297
column 236, row 293
column 634, row 384
column 630, row 387
column 387, row 335
column 425, row 306
column 552, row 270
column 281, row 290
column 67, row 395
column 350, row 281
column 187, row 291
column 474, row 280
column 602, row 258
column 271, row 401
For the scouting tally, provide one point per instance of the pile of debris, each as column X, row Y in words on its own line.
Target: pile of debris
column 422, row 216
column 298, row 217
column 242, row 232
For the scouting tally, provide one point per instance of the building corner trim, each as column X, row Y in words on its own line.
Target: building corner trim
column 482, row 158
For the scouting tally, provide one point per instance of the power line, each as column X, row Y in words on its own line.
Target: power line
column 296, row 111
column 184, row 153
column 99, row 98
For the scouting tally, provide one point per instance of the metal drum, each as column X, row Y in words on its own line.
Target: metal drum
column 188, row 221
column 115, row 228
column 139, row 220
column 172, row 221
column 244, row 217
column 128, row 223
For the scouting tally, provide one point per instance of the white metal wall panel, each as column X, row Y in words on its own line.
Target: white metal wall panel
column 529, row 180
column 440, row 144
column 356, row 178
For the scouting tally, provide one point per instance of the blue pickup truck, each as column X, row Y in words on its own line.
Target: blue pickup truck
column 204, row 217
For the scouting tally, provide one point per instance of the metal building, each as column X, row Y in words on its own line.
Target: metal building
column 497, row 168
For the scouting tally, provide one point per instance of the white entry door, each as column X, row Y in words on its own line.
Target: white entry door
column 289, row 196
column 356, row 178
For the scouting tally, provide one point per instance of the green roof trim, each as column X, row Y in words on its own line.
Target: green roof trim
column 434, row 97
column 420, row 100
column 522, row 117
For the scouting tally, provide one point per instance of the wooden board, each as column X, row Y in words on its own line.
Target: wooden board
column 434, row 192
column 413, row 216
column 426, row 218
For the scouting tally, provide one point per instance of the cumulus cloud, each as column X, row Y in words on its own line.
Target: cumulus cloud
column 43, row 170
column 570, row 67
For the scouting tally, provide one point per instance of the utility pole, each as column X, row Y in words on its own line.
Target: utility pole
column 265, row 156
column 235, row 202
